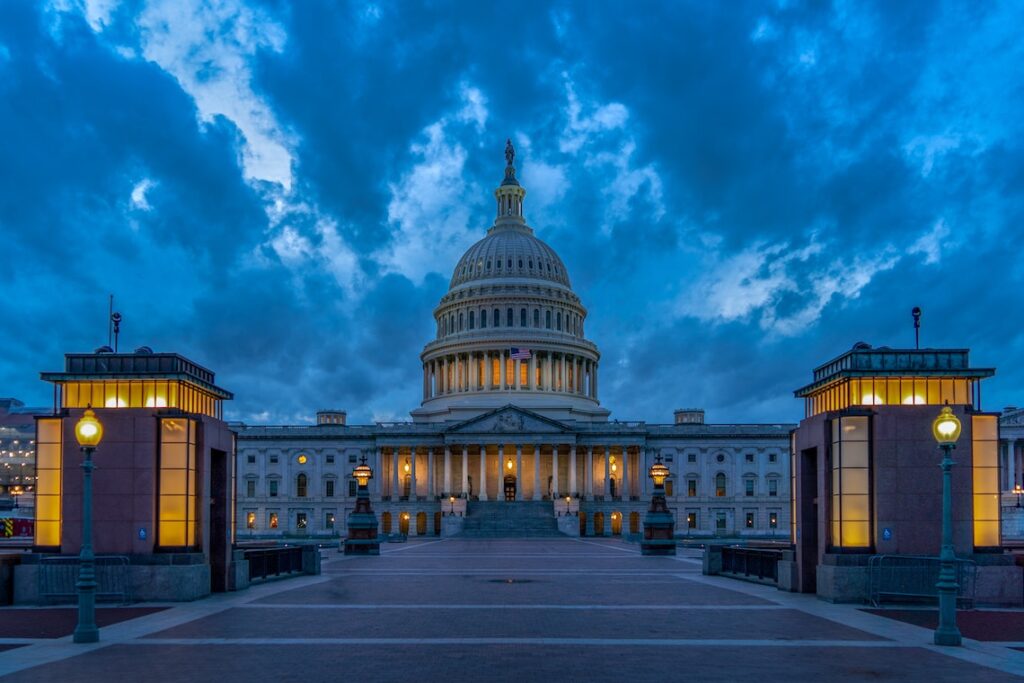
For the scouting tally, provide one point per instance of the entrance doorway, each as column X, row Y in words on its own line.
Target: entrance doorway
column 403, row 524
column 634, row 522
column 421, row 523
column 220, row 522
column 807, row 520
column 385, row 523
column 510, row 487
column 616, row 524
column 599, row 524
column 437, row 523
column 583, row 523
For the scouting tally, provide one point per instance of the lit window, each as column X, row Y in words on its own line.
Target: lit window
column 720, row 485
column 273, row 520
column 301, row 520
column 329, row 520
column 691, row 520
column 250, row 520
column 750, row 520
column 773, row 520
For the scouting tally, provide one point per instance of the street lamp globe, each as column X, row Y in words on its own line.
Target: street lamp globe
column 946, row 427
column 659, row 472
column 362, row 473
column 88, row 430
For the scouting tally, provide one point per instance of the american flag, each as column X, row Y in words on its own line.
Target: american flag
column 520, row 354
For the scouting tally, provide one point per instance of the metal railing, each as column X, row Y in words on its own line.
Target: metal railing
column 267, row 562
column 58, row 576
column 914, row 576
column 759, row 563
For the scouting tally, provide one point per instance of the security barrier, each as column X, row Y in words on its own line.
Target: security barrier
column 906, row 577
column 58, row 576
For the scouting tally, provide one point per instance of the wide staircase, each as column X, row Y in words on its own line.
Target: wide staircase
column 501, row 519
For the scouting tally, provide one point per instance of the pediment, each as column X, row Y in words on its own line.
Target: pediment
column 1014, row 418
column 509, row 420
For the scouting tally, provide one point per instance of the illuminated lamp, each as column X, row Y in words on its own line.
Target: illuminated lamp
column 407, row 466
column 615, row 465
column 946, row 427
column 659, row 472
column 509, row 465
column 88, row 430
column 362, row 473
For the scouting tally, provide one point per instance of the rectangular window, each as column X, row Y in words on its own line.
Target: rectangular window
column 668, row 458
column 773, row 520
column 850, row 509
column 748, row 487
column 691, row 488
column 329, row 459
column 720, row 520
column 273, row 458
column 352, row 488
column 301, row 520
column 329, row 488
column 692, row 457
column 773, row 487
column 691, row 520
column 49, row 453
column 250, row 488
column 251, row 458
column 273, row 488
column 272, row 522
column 177, row 498
column 773, row 457
column 329, row 520
column 749, row 522
column 352, row 459
column 250, row 520
column 750, row 457
column 985, row 456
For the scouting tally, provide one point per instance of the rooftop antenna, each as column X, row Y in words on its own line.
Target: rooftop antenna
column 917, row 326
column 113, row 325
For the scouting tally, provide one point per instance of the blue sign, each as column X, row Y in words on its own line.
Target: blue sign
column 142, row 533
column 886, row 534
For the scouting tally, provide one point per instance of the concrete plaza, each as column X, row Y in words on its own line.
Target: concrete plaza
column 504, row 610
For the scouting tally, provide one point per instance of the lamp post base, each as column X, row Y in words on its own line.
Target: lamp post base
column 948, row 637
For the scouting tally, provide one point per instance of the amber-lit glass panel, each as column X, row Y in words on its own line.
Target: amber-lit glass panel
column 49, row 453
column 537, row 380
column 510, row 371
column 524, row 373
column 851, row 482
column 495, row 370
column 177, row 498
column 985, row 456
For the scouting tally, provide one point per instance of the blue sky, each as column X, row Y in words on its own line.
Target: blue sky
column 739, row 190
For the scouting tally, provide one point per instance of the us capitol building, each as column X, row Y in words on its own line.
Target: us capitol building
column 510, row 436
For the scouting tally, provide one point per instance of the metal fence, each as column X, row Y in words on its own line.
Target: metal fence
column 58, row 576
column 267, row 562
column 913, row 577
column 759, row 563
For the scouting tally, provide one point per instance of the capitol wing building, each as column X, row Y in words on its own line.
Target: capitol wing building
column 510, row 437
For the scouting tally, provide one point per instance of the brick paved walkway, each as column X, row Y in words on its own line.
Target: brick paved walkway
column 510, row 610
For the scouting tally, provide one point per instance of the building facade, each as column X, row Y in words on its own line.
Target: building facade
column 510, row 413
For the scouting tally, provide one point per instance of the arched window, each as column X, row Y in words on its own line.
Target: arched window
column 720, row 485
column 461, row 320
column 531, row 264
column 472, row 319
column 510, row 264
column 497, row 318
column 547, row 319
column 301, row 485
column 483, row 318
column 497, row 263
column 488, row 264
column 520, row 263
column 508, row 318
column 536, row 317
column 522, row 317
column 559, row 320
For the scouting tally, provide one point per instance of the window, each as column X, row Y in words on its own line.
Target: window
column 750, row 457
column 497, row 318
column 329, row 520
column 352, row 459
column 352, row 485
column 558, row 321
column 547, row 319
column 748, row 487
column 301, row 485
column 508, row 318
column 720, row 520
column 536, row 317
column 749, row 523
column 691, row 520
column 720, row 485
column 773, row 520
column 772, row 457
column 522, row 317
column 301, row 520
column 472, row 320
column 273, row 458
column 773, row 487
column 691, row 488
column 250, row 488
column 273, row 488
column 250, row 520
column 272, row 520
column 329, row 488
column 483, row 319
column 461, row 320
column 329, row 459
column 691, row 457
column 520, row 263
column 251, row 458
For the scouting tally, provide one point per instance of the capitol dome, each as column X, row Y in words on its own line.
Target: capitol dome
column 510, row 330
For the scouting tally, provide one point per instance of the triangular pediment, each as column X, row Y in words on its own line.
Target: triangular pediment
column 1012, row 418
column 510, row 420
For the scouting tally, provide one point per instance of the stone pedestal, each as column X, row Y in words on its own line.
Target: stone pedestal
column 659, row 527
column 362, row 528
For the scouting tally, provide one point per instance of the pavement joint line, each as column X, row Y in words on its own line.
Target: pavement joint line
column 606, row 545
column 500, row 606
column 616, row 642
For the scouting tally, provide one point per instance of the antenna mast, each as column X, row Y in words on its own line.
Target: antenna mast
column 917, row 326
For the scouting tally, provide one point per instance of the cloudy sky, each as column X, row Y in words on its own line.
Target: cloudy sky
column 281, row 190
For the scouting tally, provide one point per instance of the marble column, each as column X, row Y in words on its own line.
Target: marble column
column 536, row 472
column 425, row 365
column 595, row 381
column 588, row 475
column 1011, row 463
column 564, row 369
column 483, row 472
column 448, row 470
column 458, row 372
column 554, row 471
column 465, row 470
column 413, row 488
column 572, row 470
column 501, row 370
column 607, row 473
column 624, row 488
column 500, row 495
column 519, row 472
column 430, row 473
column 395, row 490
column 378, row 471
column 472, row 371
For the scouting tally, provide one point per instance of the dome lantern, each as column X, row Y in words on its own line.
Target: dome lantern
column 510, row 193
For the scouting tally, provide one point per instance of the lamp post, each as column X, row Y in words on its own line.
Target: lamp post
column 362, row 522
column 946, row 429
column 1016, row 489
column 88, row 432
column 659, row 527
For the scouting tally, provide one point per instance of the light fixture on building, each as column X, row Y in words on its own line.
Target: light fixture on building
column 615, row 465
column 510, row 465
column 407, row 466
column 303, row 459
